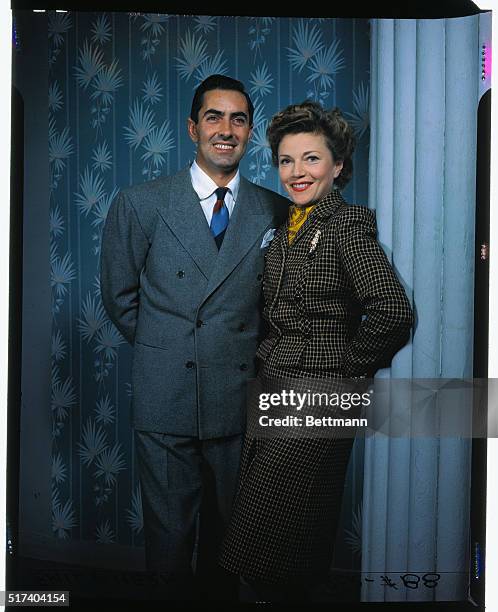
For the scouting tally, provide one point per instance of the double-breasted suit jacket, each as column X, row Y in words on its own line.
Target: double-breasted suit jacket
column 333, row 308
column 191, row 312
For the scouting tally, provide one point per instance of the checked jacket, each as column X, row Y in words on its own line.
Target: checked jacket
column 317, row 290
column 333, row 308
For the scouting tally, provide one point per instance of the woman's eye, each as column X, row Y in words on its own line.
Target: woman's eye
column 284, row 162
column 312, row 158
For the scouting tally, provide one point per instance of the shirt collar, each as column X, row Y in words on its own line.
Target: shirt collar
column 204, row 185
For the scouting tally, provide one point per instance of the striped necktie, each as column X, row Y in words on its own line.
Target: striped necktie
column 219, row 220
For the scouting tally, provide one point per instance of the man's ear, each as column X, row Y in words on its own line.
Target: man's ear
column 192, row 130
column 250, row 132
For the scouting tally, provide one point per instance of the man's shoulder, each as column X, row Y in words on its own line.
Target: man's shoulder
column 272, row 200
column 265, row 193
column 150, row 189
column 145, row 198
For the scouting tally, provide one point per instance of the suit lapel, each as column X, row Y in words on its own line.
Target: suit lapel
column 246, row 225
column 183, row 214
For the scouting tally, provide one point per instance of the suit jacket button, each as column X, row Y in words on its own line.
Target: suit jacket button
column 199, row 323
column 260, row 277
column 243, row 367
column 180, row 273
column 242, row 327
column 190, row 365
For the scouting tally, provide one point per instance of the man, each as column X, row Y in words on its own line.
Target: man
column 181, row 271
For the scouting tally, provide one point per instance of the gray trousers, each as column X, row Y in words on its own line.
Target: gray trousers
column 188, row 485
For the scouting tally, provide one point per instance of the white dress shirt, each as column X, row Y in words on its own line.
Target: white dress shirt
column 205, row 188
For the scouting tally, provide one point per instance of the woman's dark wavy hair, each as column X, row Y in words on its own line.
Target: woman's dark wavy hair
column 311, row 117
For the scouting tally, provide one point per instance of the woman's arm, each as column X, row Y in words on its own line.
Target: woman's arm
column 389, row 316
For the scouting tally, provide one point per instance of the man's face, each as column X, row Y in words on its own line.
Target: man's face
column 221, row 132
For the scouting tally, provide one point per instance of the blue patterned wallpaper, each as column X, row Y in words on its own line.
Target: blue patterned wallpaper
column 120, row 91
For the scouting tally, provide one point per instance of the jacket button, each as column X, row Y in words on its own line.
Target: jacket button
column 180, row 273
column 199, row 323
column 243, row 367
column 242, row 327
column 260, row 277
column 190, row 365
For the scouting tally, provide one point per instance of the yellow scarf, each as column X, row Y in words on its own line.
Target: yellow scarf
column 297, row 216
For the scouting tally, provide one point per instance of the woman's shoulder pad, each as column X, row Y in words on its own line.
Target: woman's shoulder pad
column 355, row 212
column 352, row 215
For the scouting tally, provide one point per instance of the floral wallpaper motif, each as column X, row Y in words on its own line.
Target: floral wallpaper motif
column 119, row 93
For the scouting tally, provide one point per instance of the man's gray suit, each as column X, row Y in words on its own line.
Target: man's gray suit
column 192, row 314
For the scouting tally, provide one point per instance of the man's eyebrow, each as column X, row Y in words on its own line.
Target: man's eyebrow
column 213, row 111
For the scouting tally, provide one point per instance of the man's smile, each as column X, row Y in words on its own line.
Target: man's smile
column 221, row 146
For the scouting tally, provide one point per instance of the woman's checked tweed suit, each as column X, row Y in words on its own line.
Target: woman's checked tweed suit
column 316, row 291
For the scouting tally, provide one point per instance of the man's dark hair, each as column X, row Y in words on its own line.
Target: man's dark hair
column 218, row 81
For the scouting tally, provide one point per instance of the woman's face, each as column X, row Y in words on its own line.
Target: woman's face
column 306, row 167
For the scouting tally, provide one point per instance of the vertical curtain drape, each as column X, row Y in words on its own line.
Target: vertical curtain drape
column 426, row 84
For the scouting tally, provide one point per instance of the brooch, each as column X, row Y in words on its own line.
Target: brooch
column 267, row 238
column 314, row 241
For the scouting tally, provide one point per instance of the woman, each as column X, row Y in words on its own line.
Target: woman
column 324, row 270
